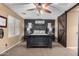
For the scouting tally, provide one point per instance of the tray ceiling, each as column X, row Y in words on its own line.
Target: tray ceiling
column 56, row 8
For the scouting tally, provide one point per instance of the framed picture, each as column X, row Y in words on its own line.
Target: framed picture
column 3, row 21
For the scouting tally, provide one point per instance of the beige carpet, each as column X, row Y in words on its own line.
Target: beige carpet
column 56, row 50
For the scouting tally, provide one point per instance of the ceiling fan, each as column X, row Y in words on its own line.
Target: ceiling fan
column 40, row 7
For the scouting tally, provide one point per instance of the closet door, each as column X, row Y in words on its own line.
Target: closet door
column 62, row 29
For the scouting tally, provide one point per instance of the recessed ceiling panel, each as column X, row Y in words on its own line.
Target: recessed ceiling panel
column 56, row 8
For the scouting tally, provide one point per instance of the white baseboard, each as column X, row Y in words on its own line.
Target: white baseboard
column 72, row 48
column 10, row 47
column 75, row 49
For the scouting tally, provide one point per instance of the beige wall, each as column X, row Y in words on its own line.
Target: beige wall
column 72, row 28
column 5, row 11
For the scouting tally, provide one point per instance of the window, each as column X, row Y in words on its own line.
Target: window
column 13, row 26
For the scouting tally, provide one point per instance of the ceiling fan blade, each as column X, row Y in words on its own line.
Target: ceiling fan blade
column 47, row 4
column 35, row 5
column 31, row 9
column 48, row 11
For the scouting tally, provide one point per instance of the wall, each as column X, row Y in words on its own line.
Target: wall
column 5, row 11
column 56, row 29
column 72, row 29
column 37, row 26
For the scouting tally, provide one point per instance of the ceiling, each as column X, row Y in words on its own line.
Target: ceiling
column 56, row 8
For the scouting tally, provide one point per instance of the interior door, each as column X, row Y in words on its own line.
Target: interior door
column 62, row 29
